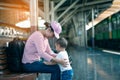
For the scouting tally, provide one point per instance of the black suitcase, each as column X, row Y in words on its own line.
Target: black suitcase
column 14, row 55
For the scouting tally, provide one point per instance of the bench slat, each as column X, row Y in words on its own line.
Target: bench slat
column 18, row 76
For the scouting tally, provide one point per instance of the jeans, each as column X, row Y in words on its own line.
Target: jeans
column 40, row 67
column 67, row 75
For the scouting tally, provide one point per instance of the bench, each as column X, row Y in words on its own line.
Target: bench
column 18, row 76
column 5, row 74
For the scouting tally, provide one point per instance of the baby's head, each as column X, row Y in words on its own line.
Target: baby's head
column 61, row 44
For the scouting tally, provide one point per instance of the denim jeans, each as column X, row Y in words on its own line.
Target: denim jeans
column 67, row 75
column 40, row 67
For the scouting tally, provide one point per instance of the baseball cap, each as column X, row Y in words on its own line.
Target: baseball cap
column 57, row 28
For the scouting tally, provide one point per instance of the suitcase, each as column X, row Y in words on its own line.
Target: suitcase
column 14, row 55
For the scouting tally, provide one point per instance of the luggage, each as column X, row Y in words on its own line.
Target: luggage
column 14, row 55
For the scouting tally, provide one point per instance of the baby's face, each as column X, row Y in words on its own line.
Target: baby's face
column 57, row 46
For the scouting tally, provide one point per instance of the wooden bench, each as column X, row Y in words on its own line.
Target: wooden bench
column 18, row 76
column 6, row 75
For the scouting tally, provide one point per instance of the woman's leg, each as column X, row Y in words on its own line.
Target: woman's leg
column 42, row 68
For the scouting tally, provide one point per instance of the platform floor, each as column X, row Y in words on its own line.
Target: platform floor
column 89, row 64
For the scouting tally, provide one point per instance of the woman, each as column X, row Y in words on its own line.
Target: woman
column 37, row 47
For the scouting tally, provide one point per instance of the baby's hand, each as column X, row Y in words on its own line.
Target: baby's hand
column 45, row 62
column 48, row 63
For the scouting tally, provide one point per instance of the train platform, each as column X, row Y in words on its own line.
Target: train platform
column 91, row 64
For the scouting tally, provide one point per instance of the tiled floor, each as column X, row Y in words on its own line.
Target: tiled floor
column 91, row 64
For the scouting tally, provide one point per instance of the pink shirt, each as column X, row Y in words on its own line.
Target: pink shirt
column 37, row 46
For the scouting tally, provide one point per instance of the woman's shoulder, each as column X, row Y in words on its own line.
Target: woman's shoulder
column 37, row 33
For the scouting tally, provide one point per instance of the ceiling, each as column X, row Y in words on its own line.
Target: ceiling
column 114, row 8
column 61, row 9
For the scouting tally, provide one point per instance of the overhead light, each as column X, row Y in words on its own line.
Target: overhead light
column 26, row 23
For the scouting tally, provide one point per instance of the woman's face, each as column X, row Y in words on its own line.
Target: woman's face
column 49, row 33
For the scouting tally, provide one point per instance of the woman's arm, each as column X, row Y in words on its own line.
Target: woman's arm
column 49, row 50
column 63, row 62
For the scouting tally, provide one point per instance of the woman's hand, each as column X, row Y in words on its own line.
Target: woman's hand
column 63, row 62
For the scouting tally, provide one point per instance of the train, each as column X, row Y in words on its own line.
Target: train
column 107, row 34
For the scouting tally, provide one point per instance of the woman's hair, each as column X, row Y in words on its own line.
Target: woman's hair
column 62, row 42
column 48, row 26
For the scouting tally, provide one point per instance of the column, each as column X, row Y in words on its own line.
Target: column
column 33, row 15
